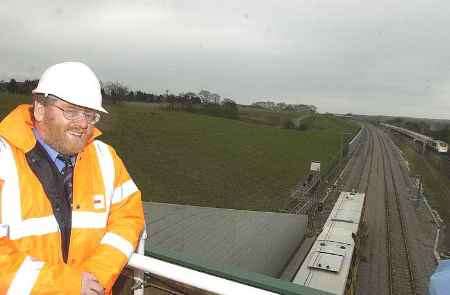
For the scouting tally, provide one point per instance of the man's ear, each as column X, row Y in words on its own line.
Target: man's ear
column 38, row 111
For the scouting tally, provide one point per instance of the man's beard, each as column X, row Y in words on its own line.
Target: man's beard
column 68, row 140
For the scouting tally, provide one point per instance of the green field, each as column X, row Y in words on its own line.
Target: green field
column 180, row 157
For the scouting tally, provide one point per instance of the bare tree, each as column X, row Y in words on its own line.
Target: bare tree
column 117, row 91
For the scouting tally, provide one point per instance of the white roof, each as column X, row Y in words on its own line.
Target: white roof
column 328, row 263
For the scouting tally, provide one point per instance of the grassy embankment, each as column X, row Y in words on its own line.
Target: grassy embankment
column 436, row 184
column 179, row 157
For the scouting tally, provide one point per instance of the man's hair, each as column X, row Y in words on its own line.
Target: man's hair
column 42, row 99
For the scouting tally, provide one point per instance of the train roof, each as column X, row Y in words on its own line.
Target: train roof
column 328, row 263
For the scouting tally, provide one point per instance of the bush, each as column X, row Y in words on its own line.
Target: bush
column 288, row 124
column 228, row 109
column 303, row 127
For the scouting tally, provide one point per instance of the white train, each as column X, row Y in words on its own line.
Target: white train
column 437, row 145
column 440, row 146
column 330, row 264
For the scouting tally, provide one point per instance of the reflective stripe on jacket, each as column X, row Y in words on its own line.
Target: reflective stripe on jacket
column 107, row 217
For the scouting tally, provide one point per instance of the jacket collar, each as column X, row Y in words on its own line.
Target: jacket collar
column 17, row 126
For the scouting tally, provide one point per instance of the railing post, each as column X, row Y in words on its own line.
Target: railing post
column 138, row 275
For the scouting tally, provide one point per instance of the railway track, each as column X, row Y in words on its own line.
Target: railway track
column 352, row 175
column 401, row 272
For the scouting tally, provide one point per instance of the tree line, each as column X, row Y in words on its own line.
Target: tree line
column 203, row 102
column 14, row 86
column 117, row 91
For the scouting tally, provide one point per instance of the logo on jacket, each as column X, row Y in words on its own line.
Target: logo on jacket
column 99, row 202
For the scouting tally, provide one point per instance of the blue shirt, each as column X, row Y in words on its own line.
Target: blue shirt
column 51, row 152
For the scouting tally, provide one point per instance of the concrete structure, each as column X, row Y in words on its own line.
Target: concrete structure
column 261, row 242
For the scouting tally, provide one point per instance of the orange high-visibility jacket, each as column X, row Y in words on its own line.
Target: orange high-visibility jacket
column 107, row 217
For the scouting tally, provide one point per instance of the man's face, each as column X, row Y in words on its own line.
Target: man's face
column 67, row 137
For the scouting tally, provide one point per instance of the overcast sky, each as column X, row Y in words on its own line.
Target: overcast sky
column 375, row 57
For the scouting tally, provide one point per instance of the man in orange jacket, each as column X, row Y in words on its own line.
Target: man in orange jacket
column 70, row 215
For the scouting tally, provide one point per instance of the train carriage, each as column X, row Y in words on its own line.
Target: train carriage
column 440, row 146
column 329, row 266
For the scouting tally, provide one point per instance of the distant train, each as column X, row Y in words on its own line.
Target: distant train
column 331, row 263
column 440, row 146
column 436, row 145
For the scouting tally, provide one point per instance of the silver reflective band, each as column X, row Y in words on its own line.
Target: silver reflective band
column 107, row 170
column 124, row 191
column 119, row 243
column 87, row 219
column 33, row 227
column 26, row 276
column 4, row 231
column 47, row 225
column 10, row 205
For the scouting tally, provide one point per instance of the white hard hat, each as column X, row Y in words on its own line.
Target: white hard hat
column 73, row 82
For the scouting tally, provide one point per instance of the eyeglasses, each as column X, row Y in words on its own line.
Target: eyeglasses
column 75, row 115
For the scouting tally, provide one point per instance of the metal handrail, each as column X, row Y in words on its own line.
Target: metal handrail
column 138, row 288
column 192, row 277
column 141, row 264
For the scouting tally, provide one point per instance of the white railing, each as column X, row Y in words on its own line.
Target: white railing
column 141, row 264
column 192, row 277
column 138, row 288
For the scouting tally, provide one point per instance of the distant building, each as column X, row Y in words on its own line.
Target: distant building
column 209, row 97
